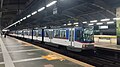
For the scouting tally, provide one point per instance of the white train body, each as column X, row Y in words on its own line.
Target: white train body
column 75, row 39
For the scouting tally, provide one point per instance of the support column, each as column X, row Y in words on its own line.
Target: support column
column 118, row 26
column 42, row 35
column 32, row 34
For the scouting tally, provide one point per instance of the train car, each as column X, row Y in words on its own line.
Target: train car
column 27, row 33
column 19, row 33
column 75, row 39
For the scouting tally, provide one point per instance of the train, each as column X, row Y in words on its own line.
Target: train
column 74, row 39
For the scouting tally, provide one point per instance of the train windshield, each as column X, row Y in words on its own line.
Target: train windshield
column 88, row 36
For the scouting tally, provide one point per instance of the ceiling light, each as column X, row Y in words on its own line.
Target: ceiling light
column 28, row 16
column 21, row 19
column 84, row 22
column 34, row 12
column 105, row 19
column 64, row 24
column 93, row 21
column 69, row 24
column 103, row 27
column 111, row 22
column 24, row 18
column 5, row 30
column 116, row 18
column 50, row 4
column 99, row 23
column 76, row 23
column 18, row 21
column 90, row 24
column 45, row 27
column 15, row 23
column 41, row 9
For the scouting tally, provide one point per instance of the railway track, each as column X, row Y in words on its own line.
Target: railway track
column 96, row 57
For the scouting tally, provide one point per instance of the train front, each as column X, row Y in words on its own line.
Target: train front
column 88, row 38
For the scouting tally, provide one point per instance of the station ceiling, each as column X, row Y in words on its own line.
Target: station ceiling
column 9, row 9
column 83, row 10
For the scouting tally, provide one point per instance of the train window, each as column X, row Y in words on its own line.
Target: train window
column 25, row 32
column 57, row 33
column 78, row 35
column 51, row 34
column 88, row 35
column 28, row 33
column 34, row 33
column 63, row 33
column 31, row 33
column 46, row 33
column 39, row 33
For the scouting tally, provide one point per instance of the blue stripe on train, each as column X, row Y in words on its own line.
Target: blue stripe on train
column 75, row 34
column 67, row 34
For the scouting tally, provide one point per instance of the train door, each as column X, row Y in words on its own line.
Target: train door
column 71, row 36
column 51, row 34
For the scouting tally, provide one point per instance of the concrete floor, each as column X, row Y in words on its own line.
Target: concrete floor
column 29, row 56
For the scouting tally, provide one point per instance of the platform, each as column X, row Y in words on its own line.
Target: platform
column 16, row 53
column 108, row 46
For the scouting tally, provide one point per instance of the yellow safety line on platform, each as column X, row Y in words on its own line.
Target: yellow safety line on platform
column 53, row 57
column 63, row 56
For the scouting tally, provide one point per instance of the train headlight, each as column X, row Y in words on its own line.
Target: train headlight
column 83, row 45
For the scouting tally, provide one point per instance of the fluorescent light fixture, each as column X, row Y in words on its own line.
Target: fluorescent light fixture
column 18, row 21
column 116, row 18
column 90, row 24
column 5, row 30
column 45, row 27
column 99, row 23
column 103, row 27
column 34, row 12
column 93, row 21
column 41, row 9
column 105, row 19
column 21, row 19
column 110, row 22
column 28, row 16
column 76, row 23
column 24, row 18
column 15, row 23
column 50, row 4
column 84, row 22
column 69, row 24
column 65, row 24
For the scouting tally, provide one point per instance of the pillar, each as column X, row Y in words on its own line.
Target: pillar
column 42, row 35
column 118, row 25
